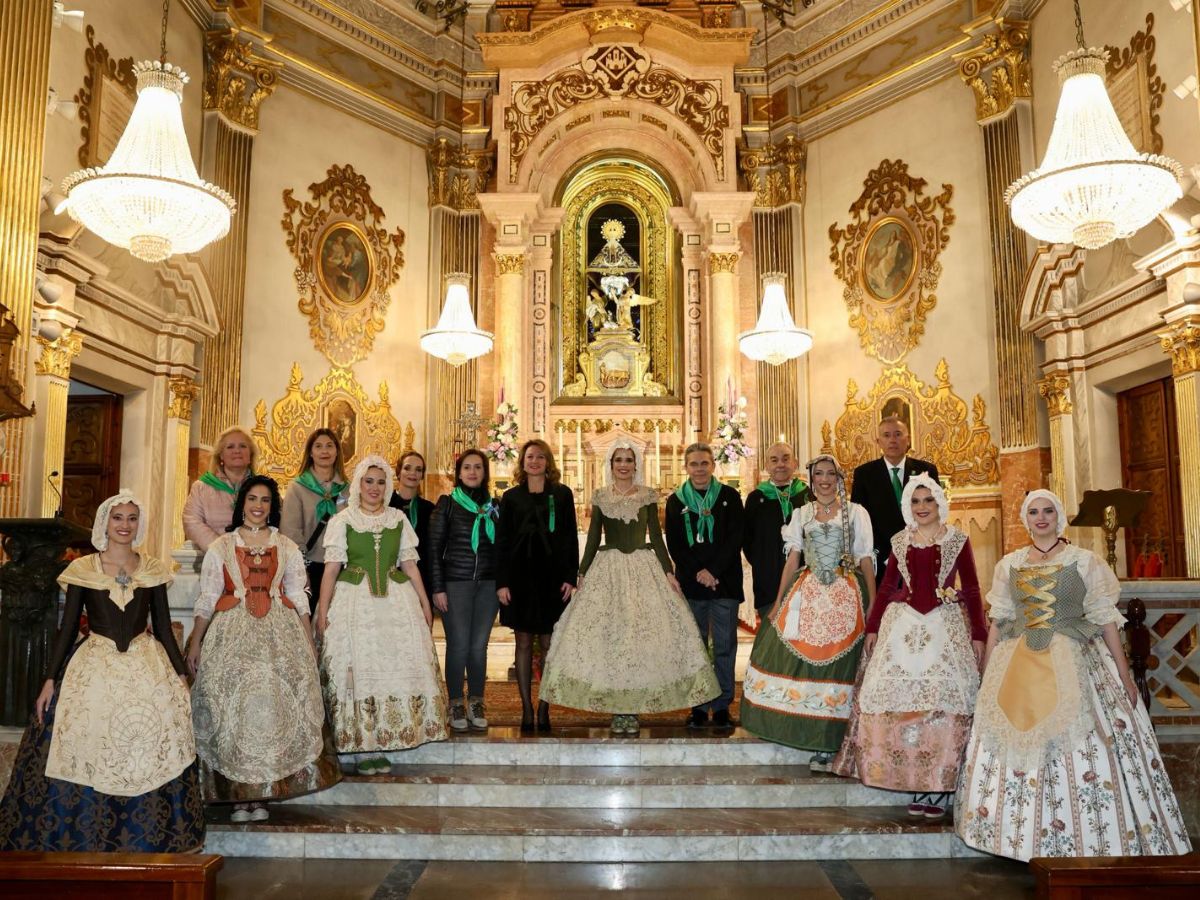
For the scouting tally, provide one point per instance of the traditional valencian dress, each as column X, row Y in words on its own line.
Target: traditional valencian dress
column 114, row 766
column 383, row 686
column 627, row 643
column 1059, row 762
column 912, row 713
column 799, row 682
column 256, row 703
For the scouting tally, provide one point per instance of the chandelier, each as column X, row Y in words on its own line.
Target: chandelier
column 148, row 197
column 456, row 338
column 775, row 338
column 1092, row 186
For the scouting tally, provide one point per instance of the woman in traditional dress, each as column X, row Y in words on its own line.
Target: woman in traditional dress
column 1062, row 759
column 627, row 643
column 799, row 683
column 379, row 670
column 410, row 473
column 312, row 500
column 912, row 707
column 109, row 763
column 256, row 701
column 537, row 564
column 462, row 554
column 209, row 506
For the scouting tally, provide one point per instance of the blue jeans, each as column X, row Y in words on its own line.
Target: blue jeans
column 721, row 615
column 470, row 611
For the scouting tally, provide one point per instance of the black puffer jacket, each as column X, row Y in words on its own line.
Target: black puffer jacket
column 450, row 555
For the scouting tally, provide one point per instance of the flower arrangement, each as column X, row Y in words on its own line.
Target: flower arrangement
column 730, row 435
column 502, row 434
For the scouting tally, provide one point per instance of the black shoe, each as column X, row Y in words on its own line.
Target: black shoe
column 543, row 716
column 698, row 719
column 721, row 719
column 527, row 722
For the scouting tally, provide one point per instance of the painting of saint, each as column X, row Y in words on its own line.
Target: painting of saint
column 344, row 263
column 888, row 260
column 341, row 419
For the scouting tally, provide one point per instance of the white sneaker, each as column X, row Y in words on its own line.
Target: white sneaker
column 475, row 716
column 240, row 815
column 259, row 813
column 458, row 717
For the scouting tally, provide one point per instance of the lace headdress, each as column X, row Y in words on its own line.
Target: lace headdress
column 924, row 480
column 100, row 524
column 374, row 461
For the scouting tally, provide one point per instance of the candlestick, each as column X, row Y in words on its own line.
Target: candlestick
column 562, row 434
column 579, row 452
column 657, row 457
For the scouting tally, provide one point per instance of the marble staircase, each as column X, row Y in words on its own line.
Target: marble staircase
column 584, row 795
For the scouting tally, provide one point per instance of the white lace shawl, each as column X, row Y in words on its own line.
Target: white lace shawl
column 290, row 579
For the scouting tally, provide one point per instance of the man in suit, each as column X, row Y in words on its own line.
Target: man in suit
column 768, row 508
column 879, row 484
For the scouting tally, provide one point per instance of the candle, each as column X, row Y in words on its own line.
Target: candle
column 579, row 452
column 657, row 457
column 562, row 434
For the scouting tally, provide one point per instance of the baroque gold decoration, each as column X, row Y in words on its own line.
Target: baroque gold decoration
column 184, row 392
column 616, row 72
column 1137, row 89
column 719, row 263
column 344, row 330
column 997, row 71
column 105, row 101
column 887, row 257
column 236, row 79
column 944, row 431
column 1182, row 343
column 776, row 172
column 509, row 263
column 457, row 175
column 1055, row 389
column 337, row 401
column 57, row 355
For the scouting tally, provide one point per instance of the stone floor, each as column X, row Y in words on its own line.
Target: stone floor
column 994, row 879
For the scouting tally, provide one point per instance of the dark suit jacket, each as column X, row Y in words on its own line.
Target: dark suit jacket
column 721, row 556
column 873, row 491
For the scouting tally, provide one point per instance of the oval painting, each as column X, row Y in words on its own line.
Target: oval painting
column 888, row 259
column 344, row 264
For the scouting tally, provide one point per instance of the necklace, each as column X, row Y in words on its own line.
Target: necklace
column 122, row 577
column 629, row 493
column 1046, row 552
column 826, row 508
column 253, row 529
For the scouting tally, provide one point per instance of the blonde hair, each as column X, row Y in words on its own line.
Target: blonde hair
column 553, row 475
column 214, row 463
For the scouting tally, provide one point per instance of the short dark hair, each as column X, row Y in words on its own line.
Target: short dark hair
column 487, row 469
column 239, row 505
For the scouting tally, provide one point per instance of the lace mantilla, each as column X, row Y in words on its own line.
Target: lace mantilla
column 624, row 507
column 951, row 544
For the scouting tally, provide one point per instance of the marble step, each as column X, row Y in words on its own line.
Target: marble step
column 582, row 746
column 585, row 835
column 600, row 787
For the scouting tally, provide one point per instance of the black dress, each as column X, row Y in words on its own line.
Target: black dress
column 421, row 527
column 534, row 560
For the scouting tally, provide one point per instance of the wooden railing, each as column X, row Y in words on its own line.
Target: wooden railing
column 1117, row 878
column 1162, row 633
column 145, row 876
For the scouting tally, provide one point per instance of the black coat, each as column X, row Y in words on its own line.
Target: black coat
column 762, row 542
column 873, row 491
column 532, row 561
column 424, row 512
column 722, row 556
column 450, row 555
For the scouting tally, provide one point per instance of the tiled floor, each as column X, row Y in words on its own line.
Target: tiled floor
column 994, row 879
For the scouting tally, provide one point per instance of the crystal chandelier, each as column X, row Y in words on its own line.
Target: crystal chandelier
column 775, row 338
column 1092, row 186
column 148, row 197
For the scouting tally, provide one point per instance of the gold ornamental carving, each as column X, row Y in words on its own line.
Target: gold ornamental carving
column 1182, row 343
column 509, row 263
column 997, row 71
column 57, row 355
column 339, row 402
column 184, row 392
column 105, row 101
column 1137, row 89
column 720, row 263
column 346, row 262
column 1055, row 389
column 944, row 430
column 616, row 72
column 776, row 172
column 236, row 79
column 457, row 175
column 887, row 258
column 603, row 19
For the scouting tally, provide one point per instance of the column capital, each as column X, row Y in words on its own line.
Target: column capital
column 1055, row 389
column 996, row 68
column 184, row 391
column 57, row 355
column 236, row 79
column 722, row 261
column 457, row 175
column 509, row 261
column 1181, row 341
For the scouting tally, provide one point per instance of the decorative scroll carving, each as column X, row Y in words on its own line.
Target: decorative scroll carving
column 509, row 263
column 236, row 79
column 1182, row 343
column 57, row 355
column 184, row 392
column 722, row 262
column 888, row 258
column 943, row 431
column 342, row 323
column 1055, row 389
column 716, row 15
column 997, row 71
column 776, row 172
column 105, row 101
column 1137, row 89
column 457, row 175
column 339, row 402
column 616, row 72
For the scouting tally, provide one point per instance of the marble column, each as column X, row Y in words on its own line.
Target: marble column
column 183, row 393
column 52, row 380
column 510, row 331
column 1182, row 342
column 722, row 327
column 996, row 69
column 25, row 29
column 236, row 81
column 1055, row 389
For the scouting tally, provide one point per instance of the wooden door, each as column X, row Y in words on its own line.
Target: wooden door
column 92, row 461
column 1150, row 462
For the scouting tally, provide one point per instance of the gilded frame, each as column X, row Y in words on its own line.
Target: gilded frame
column 361, row 290
column 914, row 259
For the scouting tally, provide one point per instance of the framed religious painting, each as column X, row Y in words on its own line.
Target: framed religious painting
column 889, row 259
column 345, row 265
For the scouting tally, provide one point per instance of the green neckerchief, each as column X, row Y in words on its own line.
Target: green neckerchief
column 784, row 495
column 701, row 506
column 327, row 505
column 481, row 513
column 221, row 485
column 412, row 510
